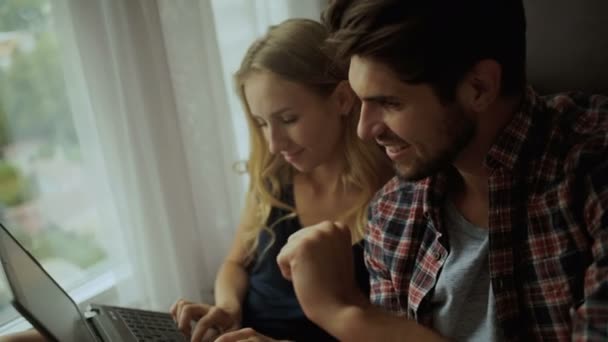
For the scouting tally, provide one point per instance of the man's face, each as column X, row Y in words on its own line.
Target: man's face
column 420, row 135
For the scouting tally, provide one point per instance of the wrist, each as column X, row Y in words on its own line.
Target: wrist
column 347, row 320
column 233, row 308
column 340, row 315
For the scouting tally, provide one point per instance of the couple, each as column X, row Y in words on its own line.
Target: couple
column 495, row 226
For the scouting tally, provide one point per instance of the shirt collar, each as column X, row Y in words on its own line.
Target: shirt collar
column 434, row 190
column 507, row 150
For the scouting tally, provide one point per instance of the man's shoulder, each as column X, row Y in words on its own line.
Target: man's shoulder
column 580, row 128
column 579, row 113
column 568, row 99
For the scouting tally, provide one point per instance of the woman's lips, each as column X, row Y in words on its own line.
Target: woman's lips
column 291, row 155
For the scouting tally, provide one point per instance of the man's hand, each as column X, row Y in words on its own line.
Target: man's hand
column 319, row 262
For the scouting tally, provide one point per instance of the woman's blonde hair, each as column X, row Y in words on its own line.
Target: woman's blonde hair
column 296, row 50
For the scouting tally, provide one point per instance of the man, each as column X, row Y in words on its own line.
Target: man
column 497, row 226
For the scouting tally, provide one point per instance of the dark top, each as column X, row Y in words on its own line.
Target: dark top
column 270, row 306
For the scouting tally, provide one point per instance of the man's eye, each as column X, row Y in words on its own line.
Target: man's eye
column 390, row 104
column 289, row 119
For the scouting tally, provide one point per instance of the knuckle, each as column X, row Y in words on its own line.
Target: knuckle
column 212, row 315
column 248, row 331
column 326, row 224
column 307, row 243
column 188, row 310
column 207, row 319
column 204, row 322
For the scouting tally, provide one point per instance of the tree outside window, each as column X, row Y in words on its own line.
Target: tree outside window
column 44, row 200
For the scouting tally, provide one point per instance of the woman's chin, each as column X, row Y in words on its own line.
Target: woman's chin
column 301, row 167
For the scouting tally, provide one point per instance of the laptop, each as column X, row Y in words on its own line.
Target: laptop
column 48, row 307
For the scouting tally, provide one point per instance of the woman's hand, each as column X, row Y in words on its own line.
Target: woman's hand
column 246, row 334
column 208, row 318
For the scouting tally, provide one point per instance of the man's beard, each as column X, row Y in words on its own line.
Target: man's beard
column 460, row 130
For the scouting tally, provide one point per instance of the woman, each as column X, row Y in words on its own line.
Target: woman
column 306, row 165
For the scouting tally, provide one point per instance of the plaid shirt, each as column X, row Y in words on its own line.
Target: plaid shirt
column 548, row 226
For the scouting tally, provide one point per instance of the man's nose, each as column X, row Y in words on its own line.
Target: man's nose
column 370, row 122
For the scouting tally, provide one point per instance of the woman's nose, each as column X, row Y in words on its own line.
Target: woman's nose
column 276, row 140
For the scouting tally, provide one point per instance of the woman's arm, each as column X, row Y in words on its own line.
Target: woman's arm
column 232, row 278
column 230, row 287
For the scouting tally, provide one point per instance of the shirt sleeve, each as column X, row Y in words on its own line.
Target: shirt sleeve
column 382, row 291
column 590, row 319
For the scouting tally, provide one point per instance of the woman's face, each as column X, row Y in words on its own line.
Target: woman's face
column 301, row 126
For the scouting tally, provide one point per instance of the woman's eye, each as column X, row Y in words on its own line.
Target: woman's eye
column 260, row 123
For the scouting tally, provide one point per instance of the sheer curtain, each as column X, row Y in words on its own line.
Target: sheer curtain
column 161, row 130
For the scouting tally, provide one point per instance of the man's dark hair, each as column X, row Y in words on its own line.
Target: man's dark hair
column 433, row 41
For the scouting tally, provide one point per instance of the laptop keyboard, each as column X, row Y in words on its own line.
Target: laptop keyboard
column 148, row 326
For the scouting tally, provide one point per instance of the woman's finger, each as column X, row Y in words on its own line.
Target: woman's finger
column 188, row 313
column 173, row 309
column 214, row 319
column 239, row 335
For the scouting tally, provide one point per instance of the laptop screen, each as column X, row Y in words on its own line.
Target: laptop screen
column 39, row 295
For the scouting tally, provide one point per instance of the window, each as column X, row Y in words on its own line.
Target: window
column 149, row 132
column 44, row 199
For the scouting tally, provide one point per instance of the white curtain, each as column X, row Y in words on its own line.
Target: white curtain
column 160, row 130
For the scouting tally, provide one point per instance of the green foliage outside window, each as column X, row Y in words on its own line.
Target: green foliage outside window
column 33, row 102
column 34, row 108
column 14, row 188
column 83, row 251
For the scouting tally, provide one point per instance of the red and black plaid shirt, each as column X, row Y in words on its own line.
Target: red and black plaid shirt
column 548, row 226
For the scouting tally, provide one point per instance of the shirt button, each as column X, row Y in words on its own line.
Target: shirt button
column 437, row 256
column 500, row 285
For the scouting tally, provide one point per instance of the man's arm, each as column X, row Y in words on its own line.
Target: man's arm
column 382, row 290
column 318, row 260
column 368, row 323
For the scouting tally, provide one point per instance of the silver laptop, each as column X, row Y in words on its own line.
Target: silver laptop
column 38, row 297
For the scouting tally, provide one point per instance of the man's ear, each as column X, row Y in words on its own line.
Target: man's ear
column 344, row 98
column 481, row 86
